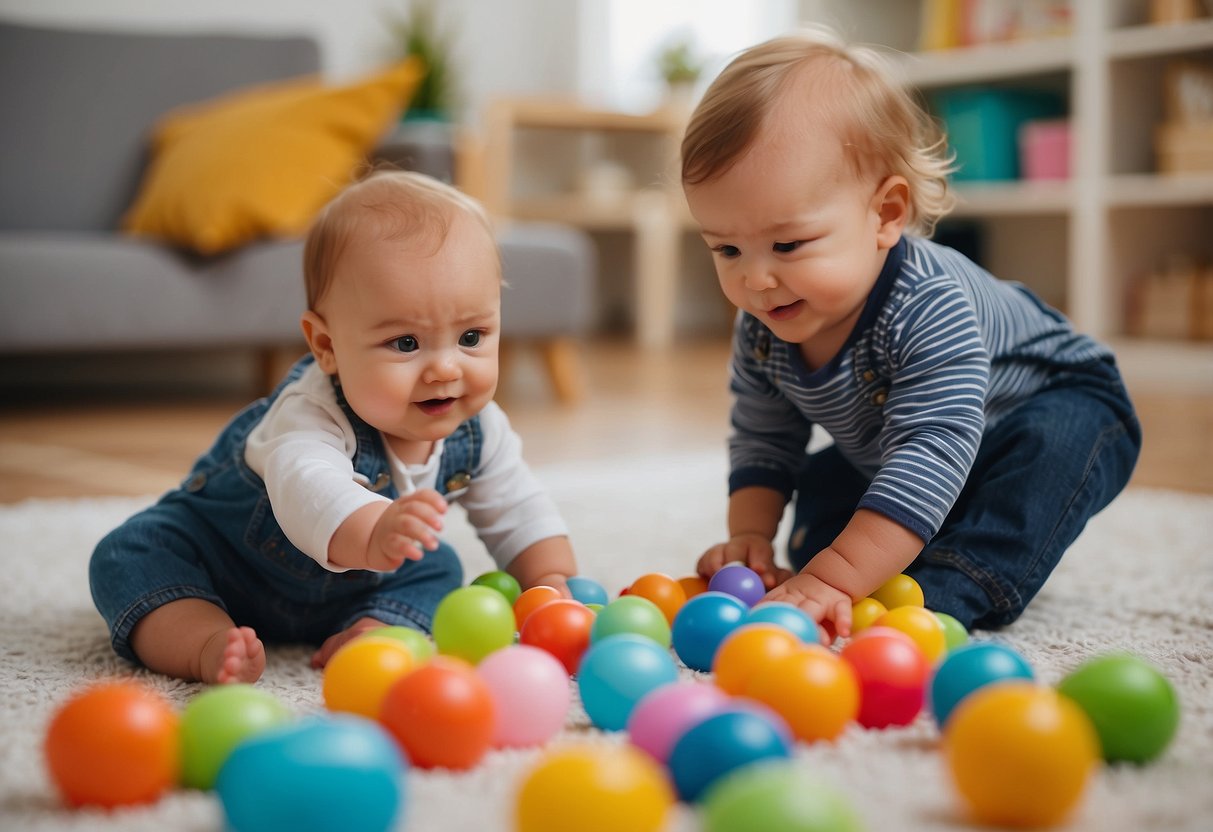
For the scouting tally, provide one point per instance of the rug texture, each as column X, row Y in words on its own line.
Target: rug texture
column 1140, row 578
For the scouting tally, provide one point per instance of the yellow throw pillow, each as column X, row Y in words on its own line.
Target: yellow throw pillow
column 262, row 161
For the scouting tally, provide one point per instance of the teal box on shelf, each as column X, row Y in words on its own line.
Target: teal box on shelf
column 983, row 127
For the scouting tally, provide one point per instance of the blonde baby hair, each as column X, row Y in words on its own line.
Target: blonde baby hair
column 878, row 119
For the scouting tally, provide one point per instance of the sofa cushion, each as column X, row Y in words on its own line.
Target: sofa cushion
column 262, row 162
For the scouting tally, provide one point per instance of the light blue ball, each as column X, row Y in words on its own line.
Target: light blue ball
column 702, row 624
column 721, row 744
column 617, row 672
column 340, row 772
column 791, row 618
column 968, row 668
column 587, row 590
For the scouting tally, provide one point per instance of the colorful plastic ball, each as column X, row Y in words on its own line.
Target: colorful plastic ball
column 1131, row 704
column 773, row 795
column 919, row 624
column 320, row 774
column 472, row 622
column 813, row 690
column 969, row 668
column 792, row 618
column 617, row 672
column 662, row 590
column 359, row 674
column 892, row 674
column 702, row 624
column 721, row 744
column 663, row 715
column 531, row 600
column 587, row 590
column 1020, row 754
column 634, row 615
column 594, row 789
column 419, row 643
column 740, row 581
column 899, row 591
column 954, row 633
column 113, row 744
column 530, row 691
column 747, row 650
column 562, row 628
column 442, row 714
column 216, row 721
column 864, row 613
column 503, row 582
column 693, row 585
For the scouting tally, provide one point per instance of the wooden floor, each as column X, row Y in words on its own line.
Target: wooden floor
column 57, row 444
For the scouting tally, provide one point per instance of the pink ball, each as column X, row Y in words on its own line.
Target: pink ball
column 530, row 689
column 665, row 714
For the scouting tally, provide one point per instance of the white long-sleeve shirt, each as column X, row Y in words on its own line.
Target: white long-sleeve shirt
column 304, row 448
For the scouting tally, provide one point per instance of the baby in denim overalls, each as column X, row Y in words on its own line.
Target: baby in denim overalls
column 315, row 515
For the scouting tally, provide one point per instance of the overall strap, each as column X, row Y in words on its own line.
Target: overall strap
column 460, row 457
column 370, row 456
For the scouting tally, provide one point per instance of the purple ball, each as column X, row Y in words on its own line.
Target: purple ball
column 740, row 581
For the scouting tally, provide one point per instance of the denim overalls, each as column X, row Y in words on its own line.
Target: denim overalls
column 215, row 538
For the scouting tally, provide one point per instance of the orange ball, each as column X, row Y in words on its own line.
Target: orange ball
column 442, row 714
column 562, row 628
column 113, row 744
column 749, row 649
column 359, row 674
column 921, row 625
column 693, row 585
column 531, row 600
column 662, row 590
column 814, row 690
column 864, row 613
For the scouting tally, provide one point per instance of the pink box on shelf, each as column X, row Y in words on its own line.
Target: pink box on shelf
column 1044, row 149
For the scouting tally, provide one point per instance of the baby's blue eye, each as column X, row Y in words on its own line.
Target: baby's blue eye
column 727, row 251
column 405, row 343
column 471, row 338
column 785, row 248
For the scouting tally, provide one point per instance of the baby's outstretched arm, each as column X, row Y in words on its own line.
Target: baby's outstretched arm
column 382, row 536
column 549, row 562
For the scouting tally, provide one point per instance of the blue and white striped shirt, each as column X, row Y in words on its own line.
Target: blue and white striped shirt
column 941, row 350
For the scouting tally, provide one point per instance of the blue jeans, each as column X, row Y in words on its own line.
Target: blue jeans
column 1041, row 472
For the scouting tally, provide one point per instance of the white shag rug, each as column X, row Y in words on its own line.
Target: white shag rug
column 1140, row 578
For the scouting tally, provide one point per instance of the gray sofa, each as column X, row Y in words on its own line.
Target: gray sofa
column 77, row 109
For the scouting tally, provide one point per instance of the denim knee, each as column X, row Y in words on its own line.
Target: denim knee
column 410, row 596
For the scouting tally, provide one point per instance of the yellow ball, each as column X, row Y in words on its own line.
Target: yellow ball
column 921, row 625
column 358, row 675
column 597, row 788
column 899, row 591
column 1020, row 754
column 864, row 613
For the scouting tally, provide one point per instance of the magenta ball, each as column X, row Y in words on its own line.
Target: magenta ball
column 740, row 581
column 530, row 690
column 662, row 716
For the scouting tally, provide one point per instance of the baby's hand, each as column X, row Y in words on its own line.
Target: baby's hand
column 818, row 599
column 405, row 530
column 752, row 550
column 556, row 581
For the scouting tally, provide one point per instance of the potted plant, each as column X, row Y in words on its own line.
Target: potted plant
column 680, row 66
column 417, row 32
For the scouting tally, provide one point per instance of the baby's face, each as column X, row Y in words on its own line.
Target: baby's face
column 415, row 332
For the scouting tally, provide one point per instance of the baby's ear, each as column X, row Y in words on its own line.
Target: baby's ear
column 892, row 205
column 316, row 331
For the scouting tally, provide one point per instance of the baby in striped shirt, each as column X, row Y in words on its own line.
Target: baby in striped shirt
column 974, row 431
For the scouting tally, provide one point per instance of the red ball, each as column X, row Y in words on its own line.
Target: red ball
column 442, row 714
column 893, row 674
column 562, row 628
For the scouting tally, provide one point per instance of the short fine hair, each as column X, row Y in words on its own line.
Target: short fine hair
column 884, row 128
column 386, row 204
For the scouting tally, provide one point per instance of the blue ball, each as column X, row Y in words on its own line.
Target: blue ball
column 792, row 618
column 969, row 667
column 617, row 672
column 720, row 744
column 703, row 622
column 340, row 772
column 740, row 581
column 587, row 590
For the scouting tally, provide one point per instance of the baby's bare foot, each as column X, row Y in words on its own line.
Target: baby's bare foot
column 233, row 655
column 334, row 642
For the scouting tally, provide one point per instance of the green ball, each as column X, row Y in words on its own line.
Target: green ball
column 472, row 622
column 954, row 633
column 503, row 582
column 631, row 614
column 417, row 642
column 216, row 721
column 766, row 796
column 1132, row 705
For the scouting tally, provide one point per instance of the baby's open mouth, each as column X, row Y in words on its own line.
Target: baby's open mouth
column 789, row 310
column 434, row 407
